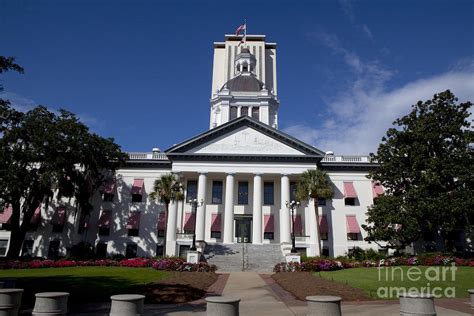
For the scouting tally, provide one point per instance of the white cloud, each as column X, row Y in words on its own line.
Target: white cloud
column 362, row 115
column 18, row 102
column 367, row 31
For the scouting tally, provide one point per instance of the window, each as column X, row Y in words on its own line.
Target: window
column 325, row 252
column 191, row 193
column 58, row 228
column 137, row 198
column 101, row 250
column 104, row 231
column 3, row 247
column 292, row 191
column 256, row 112
column 243, row 193
column 321, row 201
column 161, row 233
column 27, row 250
column 131, row 251
column 323, row 236
column 53, row 251
column 268, row 235
column 268, row 193
column 133, row 232
column 244, row 111
column 216, row 234
column 352, row 236
column 233, row 112
column 349, row 201
column 160, row 250
column 217, row 192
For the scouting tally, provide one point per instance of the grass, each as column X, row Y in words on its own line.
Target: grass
column 381, row 284
column 86, row 284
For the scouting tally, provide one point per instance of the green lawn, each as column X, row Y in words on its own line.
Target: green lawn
column 378, row 283
column 86, row 284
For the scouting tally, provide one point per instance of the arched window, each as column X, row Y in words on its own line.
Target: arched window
column 233, row 112
column 256, row 112
column 244, row 111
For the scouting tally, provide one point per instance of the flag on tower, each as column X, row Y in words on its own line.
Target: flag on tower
column 241, row 28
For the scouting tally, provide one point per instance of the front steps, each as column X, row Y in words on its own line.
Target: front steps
column 244, row 257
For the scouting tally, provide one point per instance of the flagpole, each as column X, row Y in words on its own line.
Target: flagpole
column 245, row 33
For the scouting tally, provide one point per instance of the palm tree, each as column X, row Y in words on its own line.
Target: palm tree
column 167, row 189
column 314, row 184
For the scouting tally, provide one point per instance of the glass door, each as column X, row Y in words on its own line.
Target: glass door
column 242, row 230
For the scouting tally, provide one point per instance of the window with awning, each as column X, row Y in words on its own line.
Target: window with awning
column 189, row 219
column 353, row 228
column 138, row 189
column 377, row 190
column 298, row 229
column 36, row 218
column 104, row 223
column 133, row 223
column 350, row 194
column 109, row 190
column 216, row 226
column 323, row 227
column 268, row 227
column 6, row 215
column 161, row 224
column 58, row 220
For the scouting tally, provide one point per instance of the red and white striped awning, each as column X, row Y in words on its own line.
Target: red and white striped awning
column 36, row 218
column 105, row 219
column 6, row 215
column 161, row 225
column 298, row 225
column 133, row 220
column 349, row 190
column 138, row 186
column 268, row 223
column 377, row 189
column 323, row 225
column 189, row 220
column 216, row 223
column 352, row 225
column 59, row 216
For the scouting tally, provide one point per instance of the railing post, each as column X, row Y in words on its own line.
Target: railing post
column 50, row 304
column 471, row 296
column 10, row 300
column 324, row 305
column 127, row 305
column 417, row 304
column 221, row 305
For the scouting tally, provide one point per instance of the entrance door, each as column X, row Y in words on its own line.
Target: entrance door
column 242, row 229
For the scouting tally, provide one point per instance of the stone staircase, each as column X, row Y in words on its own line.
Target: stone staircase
column 244, row 257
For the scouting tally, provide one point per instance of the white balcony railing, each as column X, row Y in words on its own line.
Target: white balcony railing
column 342, row 158
column 184, row 237
column 147, row 155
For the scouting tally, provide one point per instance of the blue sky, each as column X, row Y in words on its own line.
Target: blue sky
column 141, row 71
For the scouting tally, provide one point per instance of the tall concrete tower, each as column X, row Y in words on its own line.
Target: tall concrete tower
column 244, row 80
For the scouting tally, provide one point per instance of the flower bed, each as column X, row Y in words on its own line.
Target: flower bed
column 317, row 264
column 165, row 264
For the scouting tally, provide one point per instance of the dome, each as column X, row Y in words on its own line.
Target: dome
column 246, row 83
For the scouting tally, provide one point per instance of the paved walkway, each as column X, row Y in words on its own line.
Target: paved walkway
column 260, row 298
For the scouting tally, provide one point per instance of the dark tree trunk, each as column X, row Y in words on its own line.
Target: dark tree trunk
column 167, row 206
column 318, row 235
column 18, row 231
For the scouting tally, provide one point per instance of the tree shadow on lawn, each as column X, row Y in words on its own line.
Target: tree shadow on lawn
column 178, row 288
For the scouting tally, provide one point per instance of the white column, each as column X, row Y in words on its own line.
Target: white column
column 171, row 223
column 201, row 209
column 239, row 111
column 284, row 212
column 229, row 210
column 257, row 209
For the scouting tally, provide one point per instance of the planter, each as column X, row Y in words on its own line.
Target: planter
column 324, row 305
column 51, row 304
column 10, row 300
column 222, row 305
column 127, row 305
column 417, row 304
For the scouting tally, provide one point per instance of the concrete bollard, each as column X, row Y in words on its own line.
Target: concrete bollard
column 471, row 295
column 324, row 305
column 417, row 304
column 127, row 305
column 50, row 304
column 10, row 301
column 222, row 306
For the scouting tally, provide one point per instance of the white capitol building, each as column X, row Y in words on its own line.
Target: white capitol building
column 243, row 169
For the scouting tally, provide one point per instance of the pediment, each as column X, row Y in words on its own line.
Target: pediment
column 245, row 140
column 244, row 136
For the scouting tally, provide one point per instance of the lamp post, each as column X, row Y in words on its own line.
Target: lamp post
column 194, row 204
column 292, row 206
